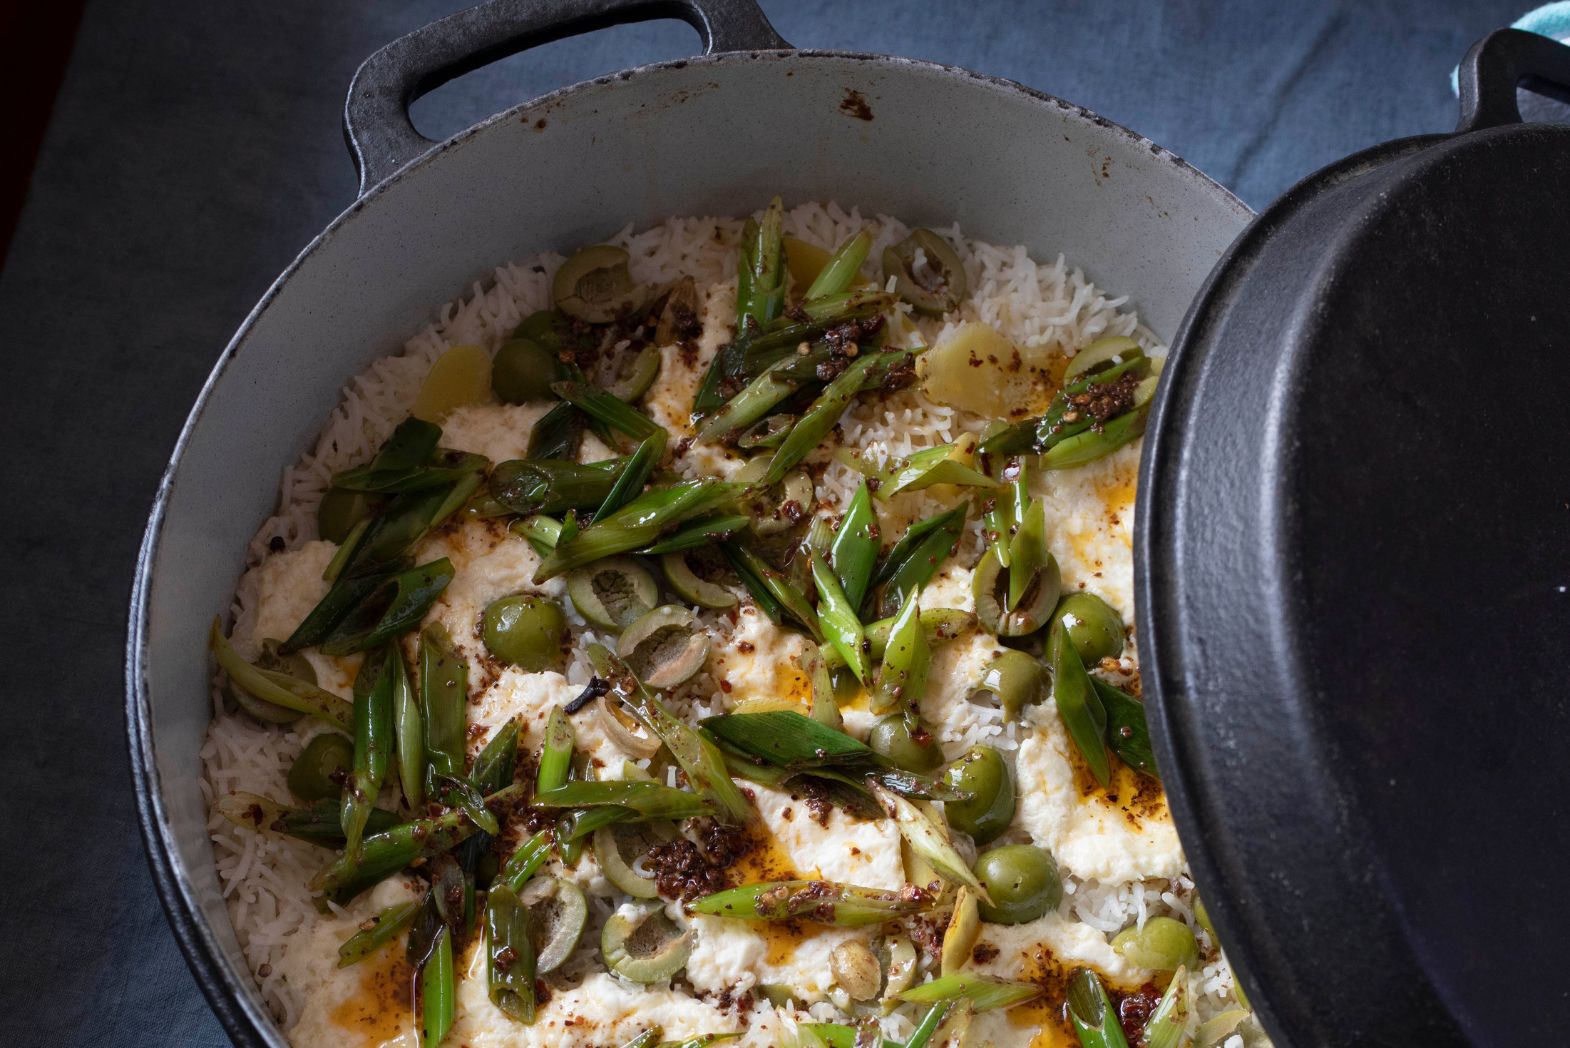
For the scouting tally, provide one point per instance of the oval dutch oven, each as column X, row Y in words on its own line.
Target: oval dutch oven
column 715, row 134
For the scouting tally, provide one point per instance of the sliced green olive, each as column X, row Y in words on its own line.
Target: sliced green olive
column 619, row 847
column 523, row 370
column 547, row 327
column 989, row 587
column 612, row 593
column 959, row 938
column 1164, row 944
column 1022, row 881
column 770, row 433
column 642, row 944
column 296, row 665
column 340, row 510
column 900, row 964
column 319, row 771
column 1094, row 627
column 459, row 377
column 782, row 507
column 689, row 586
column 664, row 647
column 1016, row 679
column 526, row 631
column 558, row 911
column 906, row 745
column 1100, row 354
column 679, row 315
column 927, row 272
column 595, row 286
column 628, row 376
column 984, row 774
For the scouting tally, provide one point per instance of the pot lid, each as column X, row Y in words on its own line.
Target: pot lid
column 1353, row 560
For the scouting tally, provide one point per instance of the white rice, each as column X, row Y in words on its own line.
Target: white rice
column 264, row 877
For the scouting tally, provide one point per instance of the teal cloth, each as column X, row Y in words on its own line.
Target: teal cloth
column 195, row 147
column 1550, row 20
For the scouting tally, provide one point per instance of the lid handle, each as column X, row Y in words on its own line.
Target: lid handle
column 376, row 121
column 1503, row 61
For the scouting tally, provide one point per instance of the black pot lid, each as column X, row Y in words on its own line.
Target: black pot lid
column 1353, row 556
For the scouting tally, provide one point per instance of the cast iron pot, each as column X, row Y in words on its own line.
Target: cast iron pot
column 717, row 134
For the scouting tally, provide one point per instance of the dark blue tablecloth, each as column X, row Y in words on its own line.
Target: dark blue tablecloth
column 195, row 147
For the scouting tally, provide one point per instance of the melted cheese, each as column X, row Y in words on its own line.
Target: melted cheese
column 1092, row 837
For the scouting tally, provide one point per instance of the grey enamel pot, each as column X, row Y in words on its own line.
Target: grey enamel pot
column 717, row 134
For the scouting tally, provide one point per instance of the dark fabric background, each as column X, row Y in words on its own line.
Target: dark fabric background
column 195, row 148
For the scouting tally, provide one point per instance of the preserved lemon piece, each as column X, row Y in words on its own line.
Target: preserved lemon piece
column 977, row 369
column 460, row 376
column 804, row 261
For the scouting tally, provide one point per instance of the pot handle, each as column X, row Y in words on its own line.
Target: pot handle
column 376, row 121
column 1500, row 63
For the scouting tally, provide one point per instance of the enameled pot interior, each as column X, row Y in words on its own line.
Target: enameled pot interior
column 713, row 136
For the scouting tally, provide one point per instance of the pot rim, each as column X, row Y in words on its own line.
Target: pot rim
column 232, row 994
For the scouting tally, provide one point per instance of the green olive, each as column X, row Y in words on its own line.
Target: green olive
column 526, row 631
column 547, row 327
column 913, row 748
column 642, row 944
column 296, row 665
column 340, row 510
column 612, row 593
column 1094, row 627
column 1101, row 354
column 523, row 370
column 689, row 586
column 1016, row 679
column 594, row 285
column 628, row 376
column 663, row 647
column 318, row 772
column 1164, row 944
column 1022, row 880
column 989, row 587
column 558, row 911
column 983, row 773
column 935, row 283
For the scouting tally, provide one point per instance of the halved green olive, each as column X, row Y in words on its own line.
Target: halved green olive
column 1094, row 627
column 1016, row 679
column 679, row 315
column 689, row 586
column 780, row 508
column 984, row 774
column 296, row 665
column 905, row 745
column 770, row 433
column 558, row 911
column 523, row 370
column 1100, row 354
column 642, row 944
column 319, row 771
column 547, row 327
column 1022, row 881
column 340, row 510
column 927, row 272
column 526, row 631
column 612, row 593
column 899, row 958
column 595, row 286
column 663, row 647
column 989, row 587
column 1164, row 944
column 619, row 846
column 628, row 376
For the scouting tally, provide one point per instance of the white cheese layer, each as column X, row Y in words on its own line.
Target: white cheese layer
column 1092, row 838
